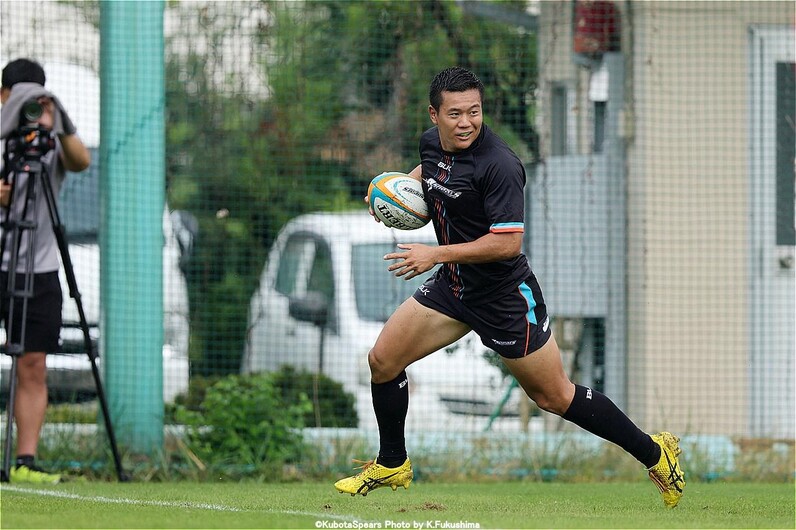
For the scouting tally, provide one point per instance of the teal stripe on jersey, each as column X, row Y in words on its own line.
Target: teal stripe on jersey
column 528, row 295
column 500, row 227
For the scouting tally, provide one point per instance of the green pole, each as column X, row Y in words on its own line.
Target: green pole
column 132, row 164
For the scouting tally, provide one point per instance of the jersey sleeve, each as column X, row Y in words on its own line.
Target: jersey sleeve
column 504, row 201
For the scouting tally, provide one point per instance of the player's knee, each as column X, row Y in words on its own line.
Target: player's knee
column 549, row 402
column 381, row 369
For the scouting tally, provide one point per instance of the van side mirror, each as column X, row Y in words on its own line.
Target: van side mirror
column 312, row 307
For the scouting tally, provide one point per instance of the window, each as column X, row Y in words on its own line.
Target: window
column 293, row 265
column 598, row 95
column 306, row 265
column 599, row 126
column 558, row 121
column 786, row 153
column 378, row 292
column 321, row 275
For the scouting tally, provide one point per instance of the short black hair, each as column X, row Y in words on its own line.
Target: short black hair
column 23, row 71
column 454, row 79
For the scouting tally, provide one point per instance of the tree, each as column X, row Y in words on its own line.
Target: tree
column 222, row 168
column 346, row 99
column 369, row 63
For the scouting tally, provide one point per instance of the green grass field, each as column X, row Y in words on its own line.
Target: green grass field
column 424, row 505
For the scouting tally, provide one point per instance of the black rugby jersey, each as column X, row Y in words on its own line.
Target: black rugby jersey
column 469, row 194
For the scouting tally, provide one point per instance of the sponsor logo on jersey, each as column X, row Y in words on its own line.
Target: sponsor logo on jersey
column 434, row 185
column 443, row 165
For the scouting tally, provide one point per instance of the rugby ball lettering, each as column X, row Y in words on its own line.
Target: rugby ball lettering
column 397, row 200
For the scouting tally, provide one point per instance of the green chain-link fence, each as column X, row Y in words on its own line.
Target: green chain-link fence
column 658, row 139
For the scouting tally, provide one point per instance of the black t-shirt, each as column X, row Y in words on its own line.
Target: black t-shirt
column 469, row 194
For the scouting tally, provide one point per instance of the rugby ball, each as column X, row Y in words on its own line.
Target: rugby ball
column 397, row 201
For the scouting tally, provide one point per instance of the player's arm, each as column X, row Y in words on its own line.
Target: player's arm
column 504, row 204
column 502, row 242
column 417, row 258
column 487, row 248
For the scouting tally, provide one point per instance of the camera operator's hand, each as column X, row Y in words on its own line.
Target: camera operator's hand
column 47, row 118
column 5, row 193
column 74, row 154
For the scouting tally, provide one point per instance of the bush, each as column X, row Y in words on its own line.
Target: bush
column 192, row 399
column 332, row 406
column 245, row 421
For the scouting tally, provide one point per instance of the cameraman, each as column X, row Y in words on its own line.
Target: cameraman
column 23, row 80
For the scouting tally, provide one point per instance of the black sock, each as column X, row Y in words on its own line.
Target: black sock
column 25, row 460
column 594, row 412
column 391, row 403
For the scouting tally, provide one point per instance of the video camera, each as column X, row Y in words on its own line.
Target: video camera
column 30, row 140
column 31, row 111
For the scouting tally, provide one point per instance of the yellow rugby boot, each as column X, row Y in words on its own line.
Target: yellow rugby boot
column 666, row 474
column 32, row 474
column 375, row 475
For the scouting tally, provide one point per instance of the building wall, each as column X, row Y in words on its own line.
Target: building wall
column 685, row 125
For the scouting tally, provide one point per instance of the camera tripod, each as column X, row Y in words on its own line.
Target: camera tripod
column 24, row 150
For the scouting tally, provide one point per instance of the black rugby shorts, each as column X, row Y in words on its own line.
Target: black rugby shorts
column 513, row 326
column 43, row 323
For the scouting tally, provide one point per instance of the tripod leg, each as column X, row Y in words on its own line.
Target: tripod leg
column 92, row 355
column 74, row 293
column 108, row 425
column 12, row 392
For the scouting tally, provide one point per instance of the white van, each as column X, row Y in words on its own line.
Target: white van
column 69, row 373
column 332, row 263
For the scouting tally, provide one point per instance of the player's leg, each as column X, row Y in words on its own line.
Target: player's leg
column 517, row 327
column 411, row 333
column 541, row 375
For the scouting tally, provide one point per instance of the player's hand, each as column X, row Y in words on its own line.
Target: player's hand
column 415, row 259
column 370, row 210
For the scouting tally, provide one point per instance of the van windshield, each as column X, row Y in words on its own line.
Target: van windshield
column 378, row 292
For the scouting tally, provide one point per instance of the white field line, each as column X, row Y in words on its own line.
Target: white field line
column 170, row 504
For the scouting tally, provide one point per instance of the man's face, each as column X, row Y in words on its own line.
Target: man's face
column 458, row 120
